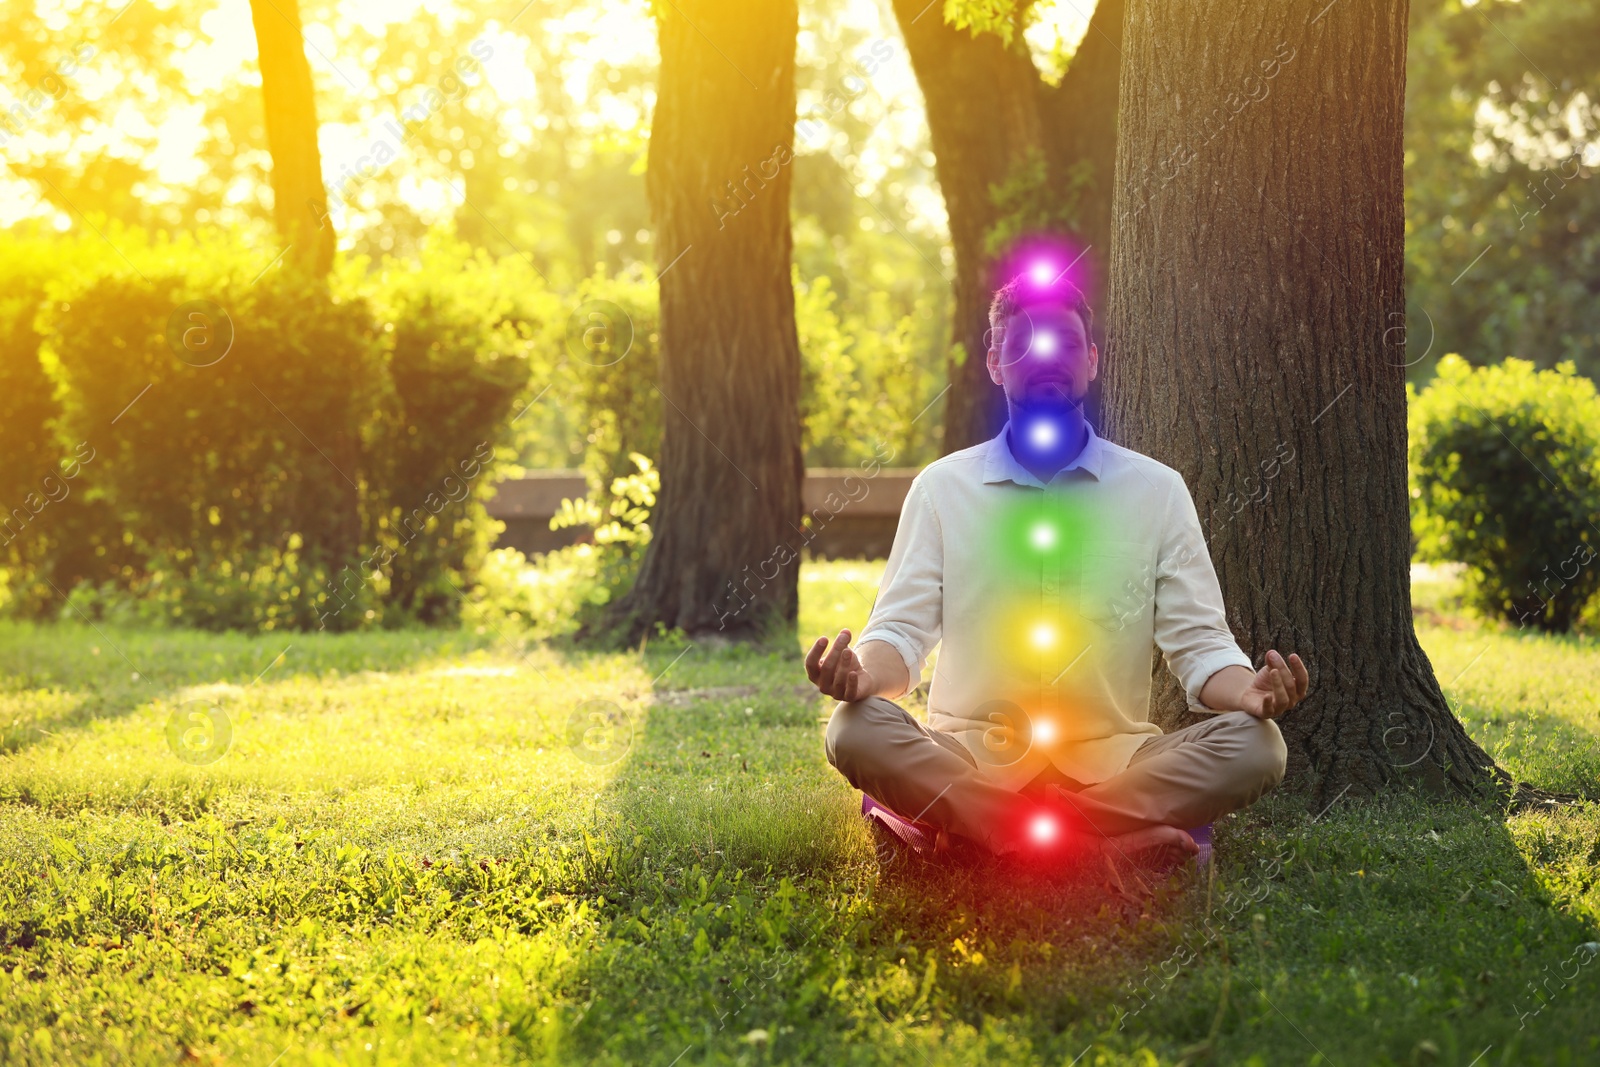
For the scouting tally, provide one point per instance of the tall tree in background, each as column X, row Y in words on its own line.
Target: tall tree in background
column 721, row 145
column 1256, row 280
column 299, row 198
column 1504, row 216
column 1080, row 130
column 994, row 122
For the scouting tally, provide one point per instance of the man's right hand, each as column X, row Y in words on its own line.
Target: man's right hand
column 838, row 672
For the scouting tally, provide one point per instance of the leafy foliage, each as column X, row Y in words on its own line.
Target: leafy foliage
column 1003, row 18
column 865, row 378
column 1505, row 477
column 32, row 476
column 619, row 401
column 564, row 590
column 1031, row 204
column 1502, row 213
column 256, row 450
column 458, row 333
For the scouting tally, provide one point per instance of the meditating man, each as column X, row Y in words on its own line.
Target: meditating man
column 1050, row 562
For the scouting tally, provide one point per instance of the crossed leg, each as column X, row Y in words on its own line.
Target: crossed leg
column 1183, row 779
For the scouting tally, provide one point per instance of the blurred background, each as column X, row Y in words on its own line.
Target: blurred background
column 344, row 445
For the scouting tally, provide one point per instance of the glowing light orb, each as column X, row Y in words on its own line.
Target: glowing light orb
column 1044, row 730
column 1044, row 343
column 1043, row 829
column 1043, row 635
column 1043, row 434
column 1042, row 536
column 1041, row 273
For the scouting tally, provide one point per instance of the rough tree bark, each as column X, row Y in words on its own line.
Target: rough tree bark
column 722, row 558
column 298, row 195
column 981, row 100
column 1256, row 283
column 1080, row 129
column 987, row 110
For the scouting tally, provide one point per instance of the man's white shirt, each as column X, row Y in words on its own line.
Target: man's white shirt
column 1046, row 656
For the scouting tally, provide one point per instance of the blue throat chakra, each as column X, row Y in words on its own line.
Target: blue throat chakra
column 1044, row 433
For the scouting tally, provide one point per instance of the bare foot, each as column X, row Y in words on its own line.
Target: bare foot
column 1157, row 845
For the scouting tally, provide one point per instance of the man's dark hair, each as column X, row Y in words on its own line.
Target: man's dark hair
column 1022, row 292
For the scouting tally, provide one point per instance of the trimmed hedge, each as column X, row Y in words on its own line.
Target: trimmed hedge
column 264, row 450
column 1505, row 477
column 294, row 455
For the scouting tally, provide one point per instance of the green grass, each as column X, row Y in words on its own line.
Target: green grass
column 412, row 853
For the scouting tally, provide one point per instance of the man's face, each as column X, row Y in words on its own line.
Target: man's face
column 1043, row 355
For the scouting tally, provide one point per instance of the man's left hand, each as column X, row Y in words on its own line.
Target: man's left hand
column 1277, row 687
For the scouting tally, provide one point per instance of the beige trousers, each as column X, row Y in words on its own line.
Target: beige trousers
column 1185, row 779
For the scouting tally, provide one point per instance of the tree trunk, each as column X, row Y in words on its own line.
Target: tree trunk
column 1256, row 283
column 987, row 111
column 982, row 103
column 1080, row 130
column 723, row 559
column 299, row 198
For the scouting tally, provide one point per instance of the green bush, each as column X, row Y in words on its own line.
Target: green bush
column 262, row 450
column 862, row 381
column 29, row 479
column 300, row 454
column 565, row 589
column 213, row 459
column 457, row 340
column 619, row 402
column 1504, row 479
column 46, row 518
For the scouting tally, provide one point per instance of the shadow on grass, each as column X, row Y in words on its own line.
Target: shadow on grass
column 757, row 926
column 767, row 919
column 105, row 672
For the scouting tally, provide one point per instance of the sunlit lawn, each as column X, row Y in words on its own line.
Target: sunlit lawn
column 414, row 850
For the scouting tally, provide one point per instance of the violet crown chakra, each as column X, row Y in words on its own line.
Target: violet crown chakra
column 1045, row 263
